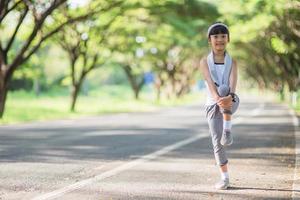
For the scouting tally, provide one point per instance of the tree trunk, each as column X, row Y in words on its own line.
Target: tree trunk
column 160, row 82
column 134, row 86
column 3, row 94
column 74, row 95
column 133, row 80
column 136, row 93
column 3, row 89
column 36, row 86
column 174, row 89
column 158, row 93
column 281, row 92
column 293, row 98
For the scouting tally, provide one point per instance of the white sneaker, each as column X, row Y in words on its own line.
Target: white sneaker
column 222, row 184
column 226, row 139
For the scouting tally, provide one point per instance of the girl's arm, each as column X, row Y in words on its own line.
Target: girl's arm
column 226, row 102
column 211, row 85
column 233, row 77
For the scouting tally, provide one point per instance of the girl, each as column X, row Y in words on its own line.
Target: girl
column 220, row 73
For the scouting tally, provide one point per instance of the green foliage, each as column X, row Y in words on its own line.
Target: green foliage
column 24, row 106
column 266, row 31
column 279, row 46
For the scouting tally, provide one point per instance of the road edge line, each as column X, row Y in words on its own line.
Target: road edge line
column 296, row 179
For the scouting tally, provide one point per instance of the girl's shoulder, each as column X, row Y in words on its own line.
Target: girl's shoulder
column 203, row 60
column 203, row 63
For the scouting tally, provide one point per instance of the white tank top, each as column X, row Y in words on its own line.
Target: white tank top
column 220, row 71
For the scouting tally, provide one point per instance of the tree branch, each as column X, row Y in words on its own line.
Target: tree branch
column 94, row 64
column 73, row 62
column 4, row 7
column 58, row 28
column 2, row 57
column 20, row 58
column 36, row 47
column 22, row 17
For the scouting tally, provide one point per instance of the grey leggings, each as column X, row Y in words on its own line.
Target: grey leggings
column 215, row 123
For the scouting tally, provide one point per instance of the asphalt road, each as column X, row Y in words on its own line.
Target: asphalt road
column 165, row 154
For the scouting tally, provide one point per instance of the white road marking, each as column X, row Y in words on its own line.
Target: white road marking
column 296, row 182
column 126, row 166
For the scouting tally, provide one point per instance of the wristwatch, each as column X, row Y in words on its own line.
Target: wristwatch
column 233, row 96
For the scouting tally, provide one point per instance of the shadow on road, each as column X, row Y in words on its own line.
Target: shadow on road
column 263, row 189
column 115, row 142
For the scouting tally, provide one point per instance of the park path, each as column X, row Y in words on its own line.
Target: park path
column 165, row 154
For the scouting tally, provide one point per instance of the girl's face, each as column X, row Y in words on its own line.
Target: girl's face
column 218, row 42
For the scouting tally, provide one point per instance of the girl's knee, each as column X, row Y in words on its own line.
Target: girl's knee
column 223, row 90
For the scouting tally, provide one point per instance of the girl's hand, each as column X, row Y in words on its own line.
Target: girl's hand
column 225, row 102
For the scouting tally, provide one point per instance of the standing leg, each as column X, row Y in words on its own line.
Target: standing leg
column 215, row 122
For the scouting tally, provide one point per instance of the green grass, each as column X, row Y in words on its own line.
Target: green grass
column 24, row 106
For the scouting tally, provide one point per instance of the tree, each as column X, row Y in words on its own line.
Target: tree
column 128, row 42
column 163, row 36
column 180, row 42
column 85, row 44
column 268, row 31
column 35, row 23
